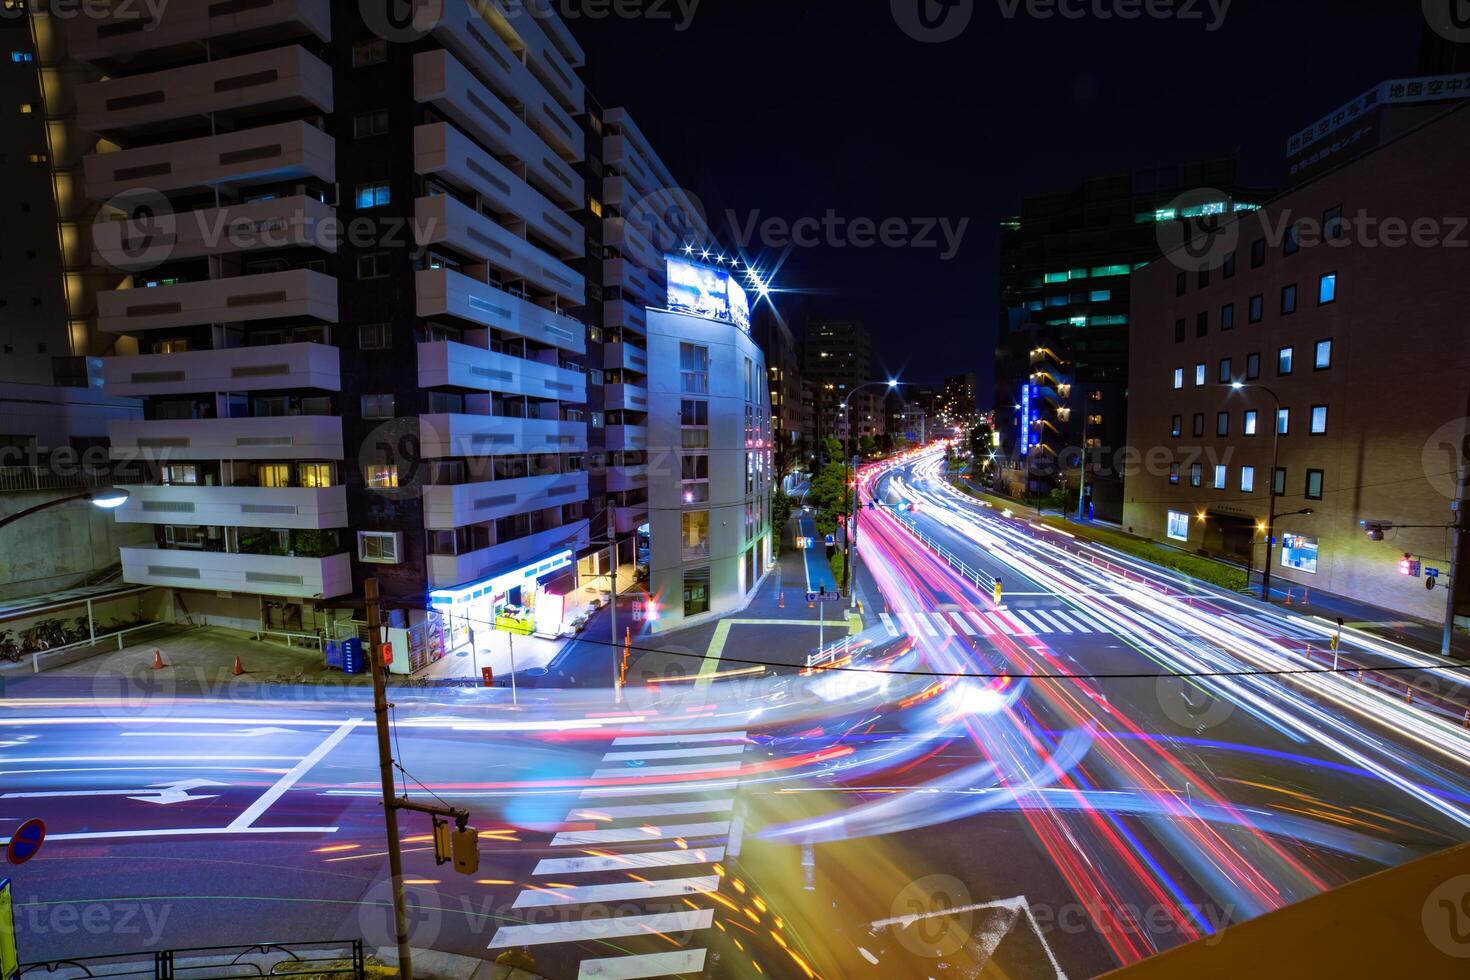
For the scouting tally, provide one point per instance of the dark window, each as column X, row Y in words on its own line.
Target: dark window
column 1227, row 317
column 1314, row 484
column 1181, row 284
column 1258, row 253
column 1201, row 324
column 1174, row 473
column 1257, row 308
column 1179, row 331
column 1252, row 367
column 1195, row 471
column 1176, row 426
column 1280, row 483
column 1332, row 224
column 1288, row 300
column 1292, row 244
column 1227, row 271
column 1204, row 278
column 1222, row 424
column 1225, row 372
column 1199, row 425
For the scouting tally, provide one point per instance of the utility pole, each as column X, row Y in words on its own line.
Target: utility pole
column 385, row 770
column 1457, row 529
column 1082, row 472
column 612, row 571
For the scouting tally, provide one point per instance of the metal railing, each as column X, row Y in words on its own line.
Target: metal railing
column 308, row 640
column 327, row 958
column 118, row 635
column 44, row 478
column 981, row 580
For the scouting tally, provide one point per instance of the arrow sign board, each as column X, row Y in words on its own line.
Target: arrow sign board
column 161, row 793
column 831, row 539
column 824, row 597
column 25, row 842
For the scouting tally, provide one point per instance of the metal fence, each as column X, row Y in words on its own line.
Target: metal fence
column 45, row 478
column 328, row 958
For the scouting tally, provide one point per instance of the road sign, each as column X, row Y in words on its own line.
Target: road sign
column 487, row 676
column 1432, row 572
column 26, row 841
column 824, row 596
column 804, row 543
column 831, row 540
column 9, row 958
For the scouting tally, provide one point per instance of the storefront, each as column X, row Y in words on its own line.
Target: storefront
column 525, row 600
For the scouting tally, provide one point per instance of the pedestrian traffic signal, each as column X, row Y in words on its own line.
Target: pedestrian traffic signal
column 1409, row 565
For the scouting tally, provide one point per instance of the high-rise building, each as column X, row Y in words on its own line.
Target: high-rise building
column 836, row 357
column 960, row 400
column 783, row 373
column 1062, row 358
column 1323, row 376
column 335, row 264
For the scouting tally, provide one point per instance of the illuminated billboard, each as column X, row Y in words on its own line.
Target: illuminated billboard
column 705, row 291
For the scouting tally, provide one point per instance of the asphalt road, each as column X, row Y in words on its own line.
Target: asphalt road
column 1027, row 789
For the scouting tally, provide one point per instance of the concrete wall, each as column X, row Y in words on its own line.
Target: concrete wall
column 58, row 548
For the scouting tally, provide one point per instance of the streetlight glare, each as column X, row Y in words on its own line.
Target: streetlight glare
column 109, row 499
column 1236, row 385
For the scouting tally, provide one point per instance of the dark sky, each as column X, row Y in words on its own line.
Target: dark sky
column 789, row 108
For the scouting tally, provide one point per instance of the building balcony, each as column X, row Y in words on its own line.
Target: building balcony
column 548, row 107
column 291, row 507
column 631, row 518
column 286, row 78
column 618, row 437
column 637, row 285
column 621, row 313
column 633, row 398
column 621, row 478
column 285, row 151
column 126, row 29
column 274, row 437
column 443, row 292
column 620, row 152
column 443, row 151
column 443, row 436
column 630, row 240
column 220, row 571
column 448, row 571
column 286, row 222
column 275, row 367
column 240, row 299
column 545, row 55
column 624, row 357
column 473, row 503
column 443, row 220
column 445, row 364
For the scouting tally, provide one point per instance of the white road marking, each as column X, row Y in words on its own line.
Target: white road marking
column 1014, row 909
column 662, row 739
column 669, row 964
column 1055, row 618
column 257, row 809
column 596, row 929
column 659, row 789
column 672, row 857
column 616, row 892
column 986, row 626
column 649, row 810
column 694, row 753
column 943, row 624
column 1037, row 625
column 962, row 622
column 160, row 793
column 711, row 768
column 887, row 621
column 628, row 835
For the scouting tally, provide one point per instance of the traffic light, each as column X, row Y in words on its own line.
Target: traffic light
column 1409, row 565
column 467, row 850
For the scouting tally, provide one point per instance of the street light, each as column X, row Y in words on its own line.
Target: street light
column 1271, row 511
column 849, row 579
column 107, row 499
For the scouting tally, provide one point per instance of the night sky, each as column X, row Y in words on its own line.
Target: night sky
column 789, row 108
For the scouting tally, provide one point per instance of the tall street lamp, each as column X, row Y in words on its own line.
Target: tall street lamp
column 849, row 579
column 1271, row 511
column 107, row 499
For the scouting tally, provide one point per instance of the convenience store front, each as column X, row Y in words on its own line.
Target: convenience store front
column 525, row 600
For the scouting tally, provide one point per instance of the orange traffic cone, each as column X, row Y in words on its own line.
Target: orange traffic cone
column 782, row 604
column 238, row 669
column 158, row 663
column 1288, row 597
column 1408, row 694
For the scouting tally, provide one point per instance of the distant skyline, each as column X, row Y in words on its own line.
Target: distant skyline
column 829, row 106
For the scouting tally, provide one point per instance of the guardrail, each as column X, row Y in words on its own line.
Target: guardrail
column 310, row 639
column 44, row 478
column 981, row 580
column 327, row 958
column 51, row 652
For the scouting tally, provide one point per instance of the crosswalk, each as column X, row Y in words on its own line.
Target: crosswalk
column 1003, row 622
column 649, row 861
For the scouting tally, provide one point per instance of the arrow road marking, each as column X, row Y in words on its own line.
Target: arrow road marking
column 161, row 793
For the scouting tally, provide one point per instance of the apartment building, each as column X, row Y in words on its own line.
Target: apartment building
column 836, row 358
column 783, row 372
column 1317, row 371
column 335, row 262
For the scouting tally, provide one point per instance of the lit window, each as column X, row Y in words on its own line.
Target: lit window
column 26, row 109
column 1280, row 481
column 1222, row 475
column 1319, row 419
column 595, row 206
column 21, row 57
column 373, row 195
column 694, row 527
column 1314, row 484
column 1250, row 422
column 1283, row 421
column 1196, row 474
column 1178, row 378
column 1174, row 473
column 1283, row 360
column 1323, row 359
column 1178, row 525
column 380, row 476
column 1327, row 289
column 1199, row 375
column 1176, row 428
column 1247, row 479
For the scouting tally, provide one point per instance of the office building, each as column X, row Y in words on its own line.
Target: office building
column 1062, row 358
column 1348, row 345
column 960, row 402
column 337, row 271
column 709, row 421
column 836, row 357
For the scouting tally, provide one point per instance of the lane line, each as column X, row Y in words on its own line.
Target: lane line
column 595, row 929
column 616, row 892
column 257, row 809
column 632, row 835
column 649, row 810
column 666, row 739
column 694, row 753
column 643, row 966
column 660, row 789
column 621, row 862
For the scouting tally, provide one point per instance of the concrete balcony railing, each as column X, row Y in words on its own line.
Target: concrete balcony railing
column 618, row 437
column 286, row 222
column 443, row 436
column 292, row 507
column 545, row 53
column 127, row 28
column 628, row 519
column 283, row 78
column 270, row 368
column 284, row 151
column 621, row 153
column 633, row 398
column 473, row 503
column 275, row 437
column 445, row 364
column 442, row 292
column 444, row 220
column 220, row 571
column 637, row 285
column 622, row 478
column 447, row 571
column 625, row 357
column 241, row 299
column 631, row 242
column 443, row 151
column 621, row 313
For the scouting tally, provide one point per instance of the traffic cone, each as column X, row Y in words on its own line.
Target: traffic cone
column 782, row 604
column 1408, row 694
column 158, row 663
column 1288, row 597
column 239, row 668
